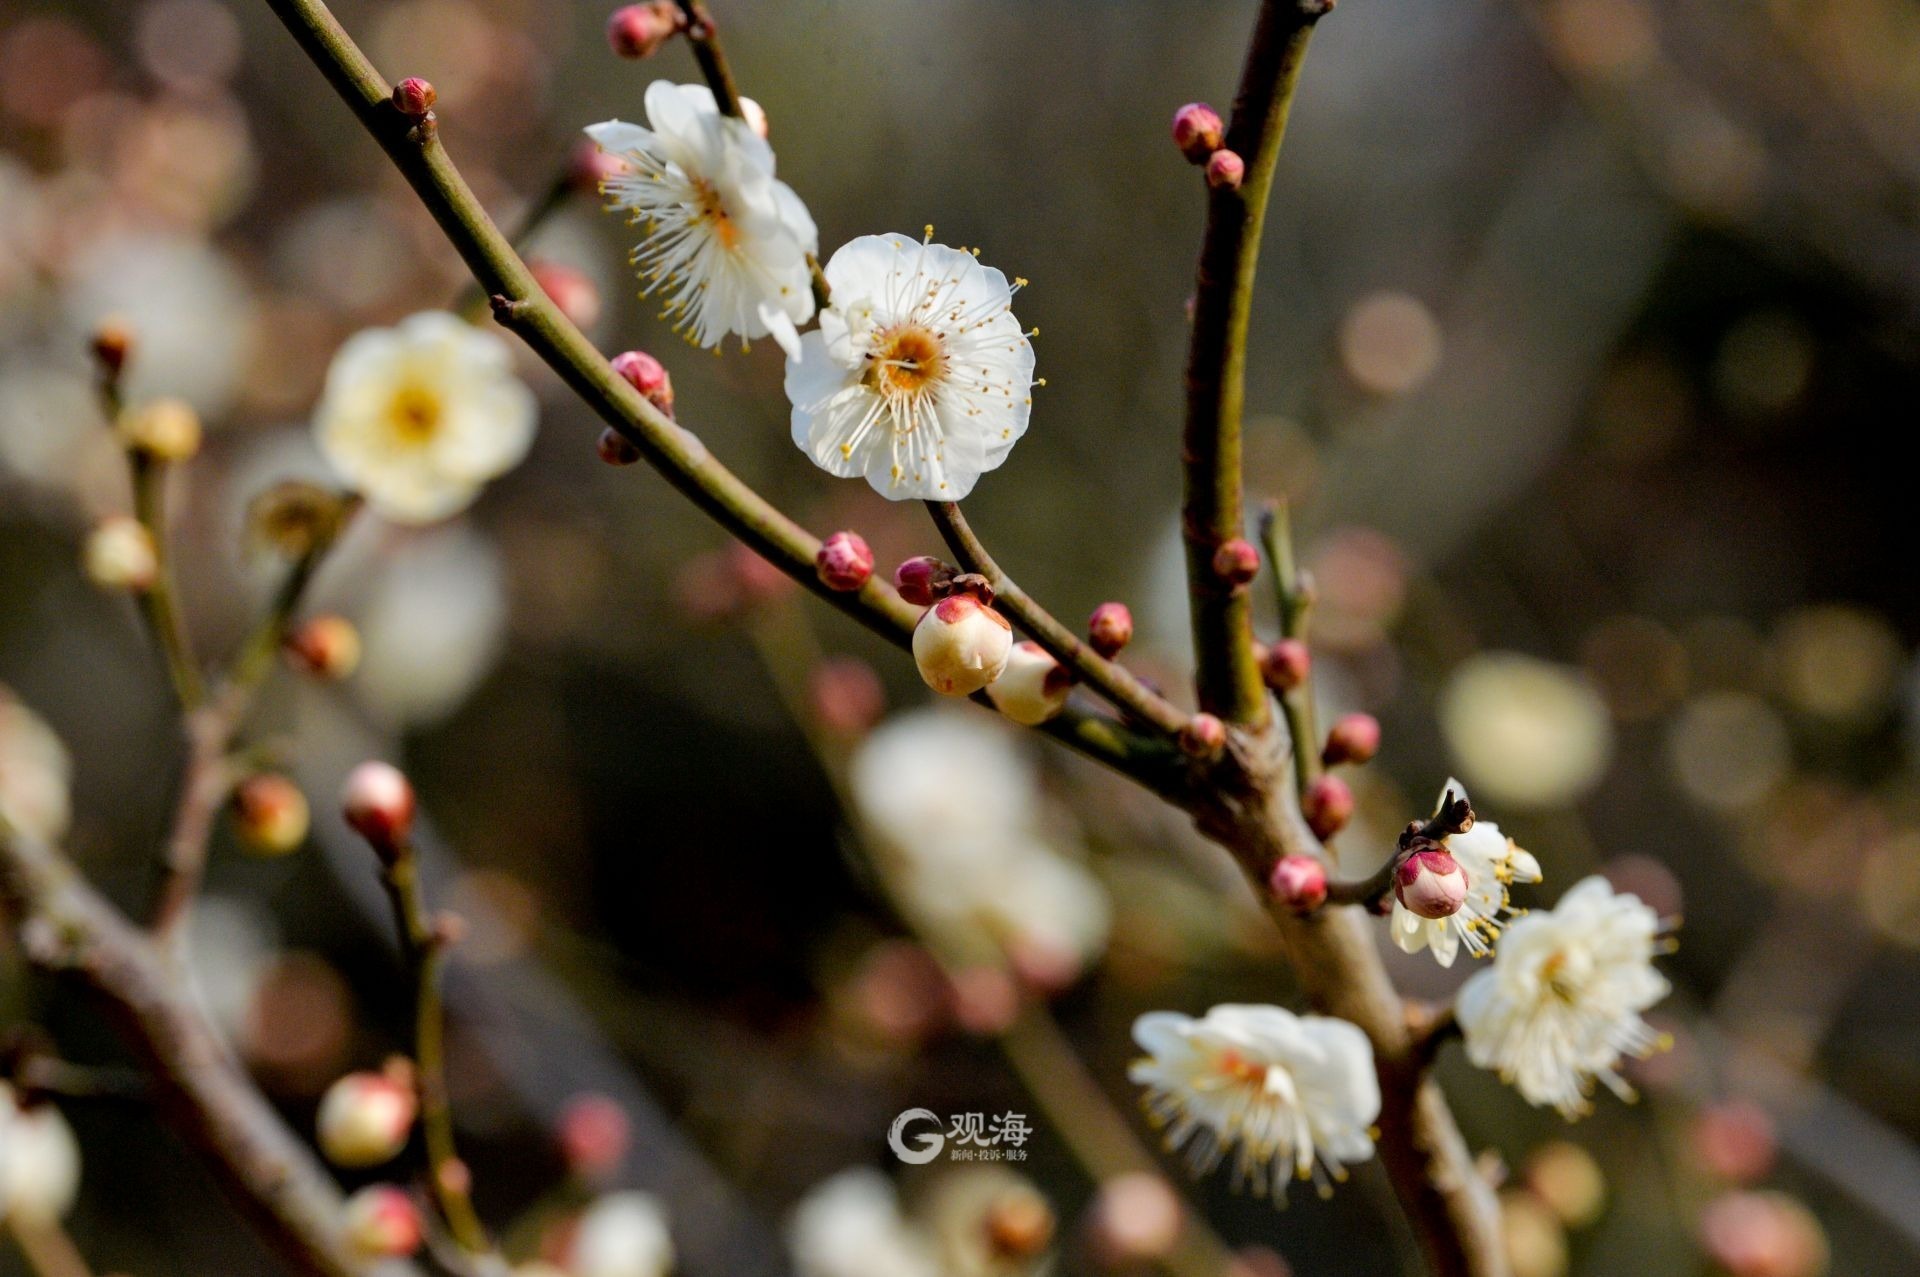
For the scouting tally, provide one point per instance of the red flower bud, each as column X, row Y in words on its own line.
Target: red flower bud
column 844, row 562
column 1327, row 805
column 638, row 30
column 1286, row 665
column 381, row 1222
column 1236, row 561
column 1354, row 739
column 594, row 1135
column 1203, row 736
column 923, row 580
column 325, row 646
column 1197, row 131
column 378, row 803
column 414, row 97
column 616, row 449
column 1299, row 883
column 1225, row 170
column 1431, row 883
column 569, row 289
column 1110, row 629
column 648, row 376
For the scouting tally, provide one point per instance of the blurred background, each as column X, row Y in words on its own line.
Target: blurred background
column 1584, row 335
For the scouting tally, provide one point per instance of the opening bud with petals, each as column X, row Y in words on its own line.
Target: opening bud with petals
column 413, row 97
column 1225, row 170
column 270, row 814
column 648, row 376
column 378, row 803
column 120, row 555
column 1197, row 131
column 1299, row 883
column 961, row 645
column 1236, row 562
column 1203, row 736
column 1327, row 805
column 638, row 30
column 1286, row 664
column 1354, row 739
column 923, row 580
column 381, row 1222
column 1430, row 882
column 1110, row 629
column 326, row 646
column 365, row 1119
column 164, row 429
column 844, row 562
column 1034, row 687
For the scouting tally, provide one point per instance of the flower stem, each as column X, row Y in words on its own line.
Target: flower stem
column 160, row 604
column 705, row 39
column 1110, row 679
column 1227, row 675
column 1295, row 601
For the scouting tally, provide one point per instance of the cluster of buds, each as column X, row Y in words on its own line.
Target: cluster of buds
column 638, row 30
column 648, row 376
column 270, row 814
column 1427, row 879
column 325, row 646
column 366, row 1118
column 1201, row 136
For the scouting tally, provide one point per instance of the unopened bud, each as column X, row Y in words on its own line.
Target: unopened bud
column 923, row 580
column 1355, row 738
column 381, row 1222
column 270, row 814
column 378, row 803
column 570, row 290
column 1203, row 736
column 164, row 429
column 1236, row 562
column 1286, row 664
column 414, row 97
column 844, row 562
column 594, row 1133
column 1431, row 883
column 590, row 167
column 365, row 1119
column 1225, row 170
column 1197, row 131
column 616, row 449
column 638, row 30
column 648, row 376
column 846, row 695
column 1018, row 1224
column 1327, row 805
column 1748, row 1234
column 961, row 645
column 325, row 646
column 1734, row 1140
column 120, row 555
column 1034, row 686
column 1110, row 629
column 112, row 346
column 1299, row 883
column 1136, row 1217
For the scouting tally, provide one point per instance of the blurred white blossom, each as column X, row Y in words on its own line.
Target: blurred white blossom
column 622, row 1234
column 35, row 772
column 850, row 1225
column 39, row 1161
column 726, row 241
column 419, row 417
column 432, row 625
column 1527, row 731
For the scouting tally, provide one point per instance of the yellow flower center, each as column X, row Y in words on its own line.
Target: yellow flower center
column 1238, row 1068
column 414, row 414
column 906, row 361
column 714, row 213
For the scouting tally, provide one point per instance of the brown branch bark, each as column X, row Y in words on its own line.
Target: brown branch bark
column 202, row 1092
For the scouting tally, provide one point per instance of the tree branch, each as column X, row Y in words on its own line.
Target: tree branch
column 1295, row 601
column 66, row 926
column 705, row 39
column 160, row 603
column 1228, row 677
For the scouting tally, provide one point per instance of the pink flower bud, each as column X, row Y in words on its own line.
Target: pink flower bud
column 120, row 555
column 846, row 695
column 594, row 1134
column 1734, row 1141
column 1431, row 883
column 616, row 449
column 1763, row 1235
column 1236, row 562
column 326, row 646
column 1203, row 736
column 381, row 1222
column 270, row 814
column 365, row 1119
column 961, row 645
column 569, row 289
column 112, row 346
column 648, row 376
column 589, row 168
column 1354, row 739
column 922, row 580
column 1286, row 665
column 1327, row 805
column 1299, row 883
column 378, row 803
column 414, row 97
column 1110, row 629
column 985, row 1000
column 1034, row 687
column 1135, row 1218
column 1197, row 131
column 638, row 30
column 844, row 562
column 1225, row 170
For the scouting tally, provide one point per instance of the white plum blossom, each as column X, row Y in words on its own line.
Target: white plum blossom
column 726, row 242
column 1492, row 862
column 418, row 417
column 622, row 1234
column 1293, row 1096
column 39, row 1161
column 850, row 1225
column 919, row 377
column 1561, row 1003
column 35, row 772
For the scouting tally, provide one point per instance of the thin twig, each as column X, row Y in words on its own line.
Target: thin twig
column 705, row 39
column 1227, row 675
column 160, row 603
column 1111, row 680
column 1295, row 601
